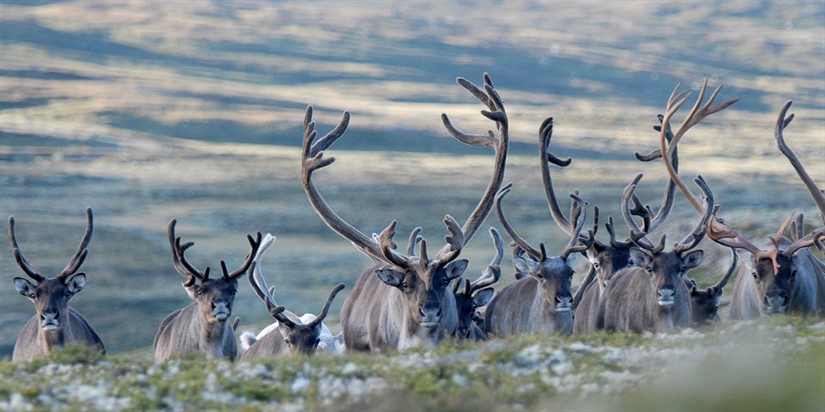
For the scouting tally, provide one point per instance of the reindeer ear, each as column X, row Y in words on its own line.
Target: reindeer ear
column 640, row 257
column 391, row 277
column 24, row 287
column 693, row 259
column 193, row 290
column 525, row 265
column 571, row 259
column 76, row 283
column 482, row 297
column 455, row 268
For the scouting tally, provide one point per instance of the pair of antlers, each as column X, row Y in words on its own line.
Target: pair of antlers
column 74, row 264
column 192, row 273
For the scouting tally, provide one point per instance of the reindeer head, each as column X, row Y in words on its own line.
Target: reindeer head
column 214, row 296
column 51, row 296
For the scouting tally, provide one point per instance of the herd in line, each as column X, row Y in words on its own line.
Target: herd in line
column 409, row 299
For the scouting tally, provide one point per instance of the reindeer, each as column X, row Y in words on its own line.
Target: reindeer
column 472, row 296
column 56, row 324
column 295, row 335
column 405, row 301
column 202, row 326
column 779, row 276
column 652, row 296
column 540, row 302
column 705, row 303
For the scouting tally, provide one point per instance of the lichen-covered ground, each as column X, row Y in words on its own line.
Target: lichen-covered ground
column 770, row 364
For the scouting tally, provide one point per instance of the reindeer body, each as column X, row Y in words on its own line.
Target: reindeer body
column 33, row 342
column 185, row 330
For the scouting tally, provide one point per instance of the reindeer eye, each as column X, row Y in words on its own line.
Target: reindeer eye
column 596, row 265
column 288, row 342
column 755, row 276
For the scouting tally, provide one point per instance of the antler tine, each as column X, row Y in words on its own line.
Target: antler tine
column 498, row 243
column 80, row 255
column 638, row 236
column 798, row 227
column 468, row 290
column 325, row 142
column 815, row 237
column 325, row 310
column 533, row 252
column 24, row 263
column 579, row 218
column 388, row 246
column 456, row 283
column 455, row 241
column 782, row 228
column 415, row 237
column 724, row 281
column 657, row 153
column 255, row 244
column 178, row 258
column 699, row 233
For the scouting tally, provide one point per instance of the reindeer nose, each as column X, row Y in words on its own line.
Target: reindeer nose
column 50, row 319
column 666, row 297
column 775, row 304
column 430, row 315
column 563, row 303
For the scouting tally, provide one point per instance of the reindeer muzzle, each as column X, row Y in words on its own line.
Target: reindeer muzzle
column 666, row 297
column 50, row 320
column 221, row 310
column 563, row 303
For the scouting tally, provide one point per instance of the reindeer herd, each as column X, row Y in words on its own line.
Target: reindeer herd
column 417, row 298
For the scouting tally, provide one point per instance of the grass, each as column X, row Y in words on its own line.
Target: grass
column 761, row 365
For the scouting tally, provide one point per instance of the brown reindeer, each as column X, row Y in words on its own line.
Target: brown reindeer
column 540, row 302
column 473, row 296
column 405, row 301
column 652, row 296
column 55, row 324
column 705, row 303
column 202, row 326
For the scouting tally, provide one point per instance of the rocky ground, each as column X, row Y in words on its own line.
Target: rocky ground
column 769, row 364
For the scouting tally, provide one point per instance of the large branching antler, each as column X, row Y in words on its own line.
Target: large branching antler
column 651, row 220
column 381, row 247
column 816, row 193
column 696, row 115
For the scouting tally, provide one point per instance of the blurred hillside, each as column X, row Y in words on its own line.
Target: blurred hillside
column 193, row 109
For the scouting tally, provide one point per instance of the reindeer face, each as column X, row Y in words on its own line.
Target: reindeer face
column 608, row 260
column 425, row 293
column 774, row 286
column 667, row 271
column 302, row 339
column 215, row 298
column 51, row 298
column 705, row 306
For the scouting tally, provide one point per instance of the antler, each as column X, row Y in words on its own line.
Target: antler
column 74, row 264
column 324, row 311
column 490, row 97
column 816, row 193
column 24, row 263
column 545, row 134
column 708, row 207
column 579, row 215
column 382, row 247
column 724, row 281
column 694, row 117
column 652, row 221
column 181, row 264
column 637, row 236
